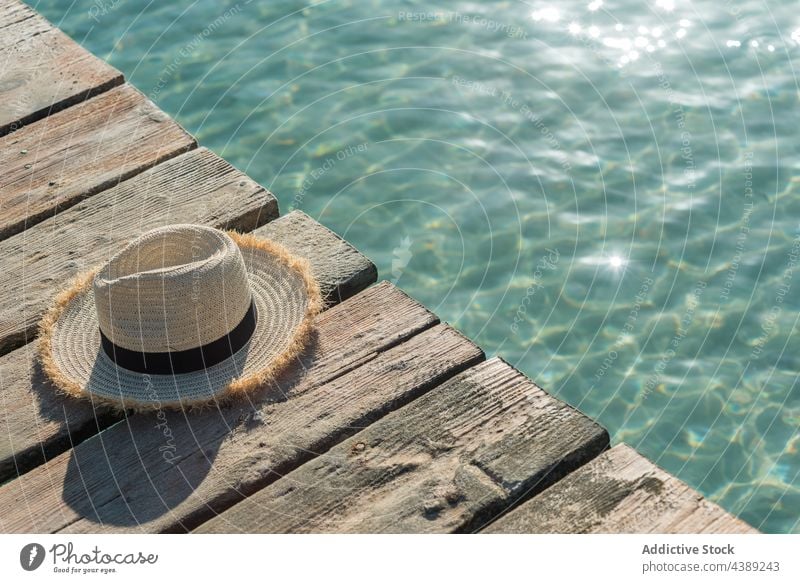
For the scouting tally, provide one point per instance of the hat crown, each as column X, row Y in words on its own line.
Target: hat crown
column 173, row 288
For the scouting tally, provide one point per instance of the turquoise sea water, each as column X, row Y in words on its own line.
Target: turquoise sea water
column 605, row 193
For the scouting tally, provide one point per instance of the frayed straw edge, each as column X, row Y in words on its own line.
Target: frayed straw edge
column 236, row 389
column 47, row 325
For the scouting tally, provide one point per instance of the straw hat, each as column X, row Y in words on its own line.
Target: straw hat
column 184, row 315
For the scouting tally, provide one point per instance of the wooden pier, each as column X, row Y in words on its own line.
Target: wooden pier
column 394, row 423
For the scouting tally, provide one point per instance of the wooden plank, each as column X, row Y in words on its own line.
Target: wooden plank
column 216, row 456
column 447, row 462
column 341, row 270
column 54, row 163
column 306, row 237
column 42, row 70
column 37, row 424
column 620, row 492
column 195, row 187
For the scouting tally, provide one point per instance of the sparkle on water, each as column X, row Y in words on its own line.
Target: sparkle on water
column 560, row 180
column 615, row 261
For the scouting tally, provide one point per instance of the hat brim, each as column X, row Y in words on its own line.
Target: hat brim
column 286, row 297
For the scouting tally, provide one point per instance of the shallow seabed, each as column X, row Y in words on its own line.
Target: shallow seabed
column 605, row 193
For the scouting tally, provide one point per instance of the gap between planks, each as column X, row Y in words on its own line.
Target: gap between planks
column 76, row 153
column 60, row 422
column 195, row 187
column 42, row 70
column 368, row 359
column 620, row 492
column 449, row 461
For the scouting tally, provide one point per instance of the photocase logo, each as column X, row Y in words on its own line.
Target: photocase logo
column 31, row 556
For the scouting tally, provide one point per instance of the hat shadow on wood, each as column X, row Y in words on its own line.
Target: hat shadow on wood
column 142, row 467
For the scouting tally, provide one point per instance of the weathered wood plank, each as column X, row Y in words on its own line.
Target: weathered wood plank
column 55, row 162
column 341, row 270
column 37, row 424
column 447, row 462
column 195, row 187
column 306, row 237
column 619, row 492
column 42, row 70
column 172, row 469
column 14, row 12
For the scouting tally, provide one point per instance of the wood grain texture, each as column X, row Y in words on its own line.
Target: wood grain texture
column 306, row 237
column 12, row 14
column 42, row 70
column 55, row 162
column 620, row 492
column 196, row 187
column 14, row 11
column 447, row 462
column 36, row 423
column 218, row 455
column 341, row 270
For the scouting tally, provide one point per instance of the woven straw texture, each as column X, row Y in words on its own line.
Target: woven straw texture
column 281, row 286
column 173, row 288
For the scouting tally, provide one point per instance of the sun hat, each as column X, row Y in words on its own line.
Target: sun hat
column 184, row 315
